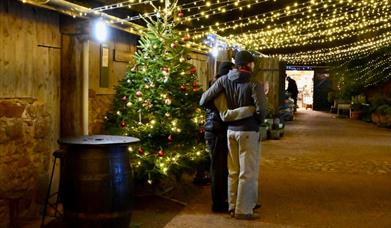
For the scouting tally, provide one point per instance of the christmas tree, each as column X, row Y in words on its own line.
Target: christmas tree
column 157, row 101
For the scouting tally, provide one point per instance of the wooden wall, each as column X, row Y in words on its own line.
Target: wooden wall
column 270, row 72
column 200, row 61
column 121, row 47
column 71, row 89
column 30, row 51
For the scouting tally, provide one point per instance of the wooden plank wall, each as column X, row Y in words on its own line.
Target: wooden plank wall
column 30, row 48
column 71, row 86
column 200, row 61
column 268, row 72
column 121, row 47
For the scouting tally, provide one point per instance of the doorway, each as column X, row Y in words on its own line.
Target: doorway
column 304, row 77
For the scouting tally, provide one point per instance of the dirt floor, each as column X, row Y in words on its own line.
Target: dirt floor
column 324, row 172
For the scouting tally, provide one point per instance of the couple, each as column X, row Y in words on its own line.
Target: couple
column 240, row 102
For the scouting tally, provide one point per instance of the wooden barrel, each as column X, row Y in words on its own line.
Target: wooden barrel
column 96, row 181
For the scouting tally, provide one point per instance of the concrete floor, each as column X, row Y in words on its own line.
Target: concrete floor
column 324, row 172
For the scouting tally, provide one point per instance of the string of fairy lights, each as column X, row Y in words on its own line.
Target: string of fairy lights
column 314, row 24
column 219, row 7
column 345, row 16
column 129, row 4
column 320, row 24
column 338, row 53
column 376, row 69
column 296, row 35
column 305, row 9
column 286, row 26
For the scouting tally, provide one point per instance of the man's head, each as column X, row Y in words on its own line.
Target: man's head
column 244, row 59
column 288, row 78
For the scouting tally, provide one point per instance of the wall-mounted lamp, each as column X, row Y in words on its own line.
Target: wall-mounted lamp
column 100, row 30
column 215, row 52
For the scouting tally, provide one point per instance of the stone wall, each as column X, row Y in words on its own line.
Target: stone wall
column 24, row 152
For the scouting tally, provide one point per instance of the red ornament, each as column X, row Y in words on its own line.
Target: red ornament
column 193, row 70
column 202, row 130
column 196, row 87
column 124, row 98
column 181, row 14
column 161, row 153
column 122, row 124
column 173, row 45
column 141, row 151
column 183, row 88
column 186, row 38
column 139, row 93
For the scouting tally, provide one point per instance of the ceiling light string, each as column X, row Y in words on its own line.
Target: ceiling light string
column 218, row 3
column 274, row 16
column 362, row 46
column 219, row 7
column 373, row 63
column 318, row 37
column 255, row 18
column 284, row 31
column 372, row 71
column 339, row 53
column 204, row 14
column 213, row 12
column 123, row 4
column 335, row 57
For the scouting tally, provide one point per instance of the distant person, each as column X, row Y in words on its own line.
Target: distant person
column 292, row 89
column 243, row 135
column 216, row 139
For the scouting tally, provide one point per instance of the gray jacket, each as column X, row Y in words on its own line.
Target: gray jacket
column 240, row 91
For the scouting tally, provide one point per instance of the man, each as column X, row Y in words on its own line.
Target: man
column 292, row 89
column 216, row 139
column 242, row 135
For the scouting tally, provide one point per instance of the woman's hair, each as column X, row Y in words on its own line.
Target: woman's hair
column 224, row 68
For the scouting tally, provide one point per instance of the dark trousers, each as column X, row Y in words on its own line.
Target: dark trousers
column 218, row 151
column 295, row 102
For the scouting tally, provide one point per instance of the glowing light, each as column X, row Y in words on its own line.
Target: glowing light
column 100, row 30
column 215, row 52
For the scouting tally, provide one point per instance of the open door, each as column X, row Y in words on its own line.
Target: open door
column 322, row 86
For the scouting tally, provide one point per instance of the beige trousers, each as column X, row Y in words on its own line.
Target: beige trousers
column 243, row 170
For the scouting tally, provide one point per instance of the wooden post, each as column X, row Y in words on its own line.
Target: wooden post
column 86, row 44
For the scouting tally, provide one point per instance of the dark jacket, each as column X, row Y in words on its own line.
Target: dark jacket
column 240, row 91
column 292, row 87
column 213, row 122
